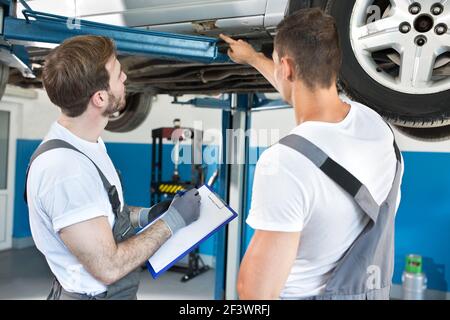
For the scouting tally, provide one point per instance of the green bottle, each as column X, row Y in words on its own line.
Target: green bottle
column 413, row 279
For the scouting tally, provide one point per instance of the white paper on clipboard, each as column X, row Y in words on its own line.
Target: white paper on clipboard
column 214, row 213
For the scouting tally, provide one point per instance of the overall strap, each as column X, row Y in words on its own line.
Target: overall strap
column 56, row 144
column 336, row 172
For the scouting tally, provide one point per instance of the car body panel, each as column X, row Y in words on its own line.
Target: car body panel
column 135, row 13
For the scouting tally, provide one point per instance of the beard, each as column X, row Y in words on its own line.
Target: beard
column 115, row 104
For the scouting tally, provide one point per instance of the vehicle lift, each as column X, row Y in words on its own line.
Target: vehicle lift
column 48, row 30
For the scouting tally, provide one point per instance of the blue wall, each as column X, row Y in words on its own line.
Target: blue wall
column 423, row 220
column 21, row 225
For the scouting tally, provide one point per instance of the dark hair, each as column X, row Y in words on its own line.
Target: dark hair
column 310, row 37
column 75, row 70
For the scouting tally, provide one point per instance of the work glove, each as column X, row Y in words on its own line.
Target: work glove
column 148, row 215
column 183, row 210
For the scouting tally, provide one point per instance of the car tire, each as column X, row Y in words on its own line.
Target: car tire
column 138, row 106
column 4, row 76
column 403, row 109
column 433, row 134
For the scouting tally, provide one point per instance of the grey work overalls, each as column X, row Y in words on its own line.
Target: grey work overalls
column 365, row 271
column 125, row 288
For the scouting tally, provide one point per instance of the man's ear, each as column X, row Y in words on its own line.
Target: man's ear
column 98, row 99
column 288, row 68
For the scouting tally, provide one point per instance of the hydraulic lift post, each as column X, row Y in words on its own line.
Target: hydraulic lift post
column 233, row 185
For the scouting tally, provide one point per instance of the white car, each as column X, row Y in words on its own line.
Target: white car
column 396, row 53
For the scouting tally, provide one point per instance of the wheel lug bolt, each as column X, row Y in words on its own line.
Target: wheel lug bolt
column 440, row 29
column 415, row 8
column 405, row 27
column 437, row 9
column 420, row 41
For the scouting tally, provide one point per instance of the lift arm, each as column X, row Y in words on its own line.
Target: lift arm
column 45, row 28
column 259, row 103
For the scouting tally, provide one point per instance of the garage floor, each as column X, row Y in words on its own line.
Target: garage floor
column 24, row 274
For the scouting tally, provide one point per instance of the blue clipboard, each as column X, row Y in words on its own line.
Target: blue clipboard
column 155, row 274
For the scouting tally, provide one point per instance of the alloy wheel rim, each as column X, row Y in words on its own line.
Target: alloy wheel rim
column 417, row 33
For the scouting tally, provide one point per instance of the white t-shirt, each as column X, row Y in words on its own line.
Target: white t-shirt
column 64, row 188
column 290, row 194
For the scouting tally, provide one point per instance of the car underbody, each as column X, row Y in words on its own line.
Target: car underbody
column 396, row 60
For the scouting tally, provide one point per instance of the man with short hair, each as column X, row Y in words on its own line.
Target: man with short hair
column 324, row 198
column 78, row 217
